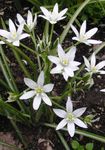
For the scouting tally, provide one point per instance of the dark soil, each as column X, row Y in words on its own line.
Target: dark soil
column 41, row 138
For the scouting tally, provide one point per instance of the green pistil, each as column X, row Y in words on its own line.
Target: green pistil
column 39, row 90
column 70, row 117
column 65, row 62
column 94, row 69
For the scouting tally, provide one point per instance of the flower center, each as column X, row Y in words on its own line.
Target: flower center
column 65, row 62
column 39, row 90
column 70, row 117
column 14, row 34
column 94, row 69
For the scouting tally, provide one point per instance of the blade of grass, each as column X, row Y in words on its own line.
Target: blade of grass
column 8, row 69
column 63, row 140
column 16, row 129
column 12, row 147
column 5, row 73
column 81, row 132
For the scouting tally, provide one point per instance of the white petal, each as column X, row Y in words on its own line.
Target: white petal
column 91, row 32
column 20, row 29
column 23, row 36
column 103, row 90
column 16, row 43
column 61, row 52
column 75, row 30
column 78, row 112
column 69, row 105
column 54, row 59
column 20, row 19
column 56, row 70
column 71, row 53
column 28, row 95
column 86, row 62
column 29, row 18
column 101, row 71
column 30, row 83
column 100, row 65
column 47, row 18
column 45, row 11
column 55, row 9
column 80, row 123
column 46, row 99
column 4, row 33
column 76, row 38
column 12, row 27
column 71, row 129
column 35, row 20
column 58, row 19
column 48, row 87
column 62, row 13
column 40, row 80
column 61, row 124
column 69, row 71
column 36, row 102
column 65, row 75
column 94, row 41
column 83, row 28
column 93, row 60
column 60, row 113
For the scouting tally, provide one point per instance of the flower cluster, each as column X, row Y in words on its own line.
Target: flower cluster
column 63, row 60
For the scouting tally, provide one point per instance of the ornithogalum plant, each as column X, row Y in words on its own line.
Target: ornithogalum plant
column 49, row 57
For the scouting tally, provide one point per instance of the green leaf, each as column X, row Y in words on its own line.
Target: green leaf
column 75, row 144
column 89, row 146
column 81, row 147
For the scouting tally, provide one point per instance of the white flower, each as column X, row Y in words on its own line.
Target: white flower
column 65, row 63
column 54, row 16
column 14, row 36
column 83, row 36
column 70, row 117
column 92, row 67
column 30, row 23
column 38, row 91
column 102, row 90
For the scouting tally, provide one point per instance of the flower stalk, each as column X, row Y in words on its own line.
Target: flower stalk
column 80, row 132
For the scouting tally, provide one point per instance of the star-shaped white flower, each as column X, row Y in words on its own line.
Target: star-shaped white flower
column 70, row 117
column 83, row 36
column 14, row 36
column 30, row 23
column 38, row 91
column 65, row 63
column 54, row 16
column 91, row 66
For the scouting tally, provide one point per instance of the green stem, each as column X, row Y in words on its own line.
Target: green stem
column 33, row 66
column 21, row 64
column 64, row 33
column 33, row 38
column 4, row 84
column 46, row 32
column 39, row 63
column 5, row 73
column 80, row 132
column 51, row 33
column 16, row 129
column 8, row 69
column 63, row 140
column 29, row 49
